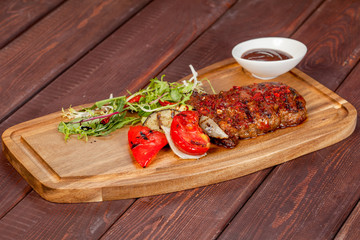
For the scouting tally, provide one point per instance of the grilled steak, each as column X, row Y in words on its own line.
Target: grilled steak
column 249, row 111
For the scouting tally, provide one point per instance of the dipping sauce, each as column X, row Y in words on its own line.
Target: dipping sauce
column 265, row 55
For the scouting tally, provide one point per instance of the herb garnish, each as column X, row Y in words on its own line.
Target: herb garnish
column 108, row 115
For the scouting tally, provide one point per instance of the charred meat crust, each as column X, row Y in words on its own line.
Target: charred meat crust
column 249, row 111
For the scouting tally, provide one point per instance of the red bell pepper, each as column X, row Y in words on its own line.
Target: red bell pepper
column 145, row 143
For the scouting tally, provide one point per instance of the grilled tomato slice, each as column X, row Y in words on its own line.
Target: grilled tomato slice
column 187, row 135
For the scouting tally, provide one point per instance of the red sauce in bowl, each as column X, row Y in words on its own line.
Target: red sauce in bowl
column 265, row 55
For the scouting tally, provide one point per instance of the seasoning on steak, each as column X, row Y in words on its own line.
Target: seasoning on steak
column 249, row 111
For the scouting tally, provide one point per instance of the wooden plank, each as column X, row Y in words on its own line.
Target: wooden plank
column 32, row 60
column 47, row 220
column 320, row 189
column 335, row 51
column 103, row 169
column 313, row 205
column 199, row 213
column 15, row 187
column 113, row 64
column 17, row 15
column 202, row 213
column 351, row 228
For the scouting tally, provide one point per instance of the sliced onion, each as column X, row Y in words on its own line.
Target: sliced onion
column 175, row 149
column 211, row 128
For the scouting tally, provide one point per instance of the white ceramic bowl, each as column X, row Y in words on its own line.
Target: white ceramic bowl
column 270, row 69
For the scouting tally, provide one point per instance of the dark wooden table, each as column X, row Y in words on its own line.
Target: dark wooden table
column 58, row 53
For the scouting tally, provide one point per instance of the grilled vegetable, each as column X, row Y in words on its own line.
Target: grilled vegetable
column 211, row 128
column 145, row 143
column 160, row 118
column 187, row 135
column 175, row 149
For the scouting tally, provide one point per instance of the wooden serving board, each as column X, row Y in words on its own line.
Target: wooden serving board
column 103, row 168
